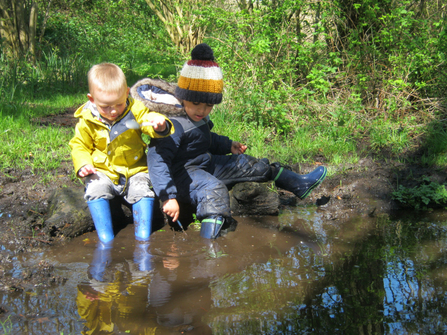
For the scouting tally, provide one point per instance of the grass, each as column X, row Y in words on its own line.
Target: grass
column 26, row 144
column 6, row 326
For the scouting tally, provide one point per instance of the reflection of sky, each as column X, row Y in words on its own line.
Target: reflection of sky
column 400, row 288
column 408, row 302
column 411, row 299
column 330, row 300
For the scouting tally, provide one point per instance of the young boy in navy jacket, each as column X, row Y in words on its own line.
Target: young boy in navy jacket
column 196, row 166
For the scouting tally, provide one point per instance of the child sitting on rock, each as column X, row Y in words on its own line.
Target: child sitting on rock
column 196, row 165
column 109, row 152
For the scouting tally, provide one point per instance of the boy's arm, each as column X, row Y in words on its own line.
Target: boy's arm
column 81, row 148
column 160, row 156
column 221, row 145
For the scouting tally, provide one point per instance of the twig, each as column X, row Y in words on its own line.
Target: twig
column 39, row 240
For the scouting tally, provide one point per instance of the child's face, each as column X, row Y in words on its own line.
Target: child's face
column 110, row 105
column 197, row 110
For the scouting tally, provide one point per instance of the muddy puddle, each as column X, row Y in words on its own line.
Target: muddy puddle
column 291, row 274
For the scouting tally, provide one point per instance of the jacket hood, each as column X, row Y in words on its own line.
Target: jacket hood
column 158, row 96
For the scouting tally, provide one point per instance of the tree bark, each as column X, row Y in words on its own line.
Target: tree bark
column 18, row 26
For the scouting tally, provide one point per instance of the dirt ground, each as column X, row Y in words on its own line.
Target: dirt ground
column 364, row 188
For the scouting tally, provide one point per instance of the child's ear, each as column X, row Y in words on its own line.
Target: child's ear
column 90, row 97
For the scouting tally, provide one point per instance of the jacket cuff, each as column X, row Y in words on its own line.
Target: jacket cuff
column 166, row 131
column 163, row 198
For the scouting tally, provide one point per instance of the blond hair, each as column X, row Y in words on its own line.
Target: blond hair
column 106, row 77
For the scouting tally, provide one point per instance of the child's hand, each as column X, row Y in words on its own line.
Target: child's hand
column 159, row 123
column 171, row 208
column 86, row 170
column 238, row 148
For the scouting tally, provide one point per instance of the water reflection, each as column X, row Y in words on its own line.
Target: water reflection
column 137, row 296
column 292, row 274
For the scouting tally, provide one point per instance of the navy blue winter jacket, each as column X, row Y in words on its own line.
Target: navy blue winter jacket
column 190, row 147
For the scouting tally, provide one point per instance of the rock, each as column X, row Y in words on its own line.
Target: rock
column 251, row 198
column 68, row 215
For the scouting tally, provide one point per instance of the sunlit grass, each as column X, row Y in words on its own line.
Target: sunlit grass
column 26, row 145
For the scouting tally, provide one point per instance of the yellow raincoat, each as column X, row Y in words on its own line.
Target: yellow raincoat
column 118, row 151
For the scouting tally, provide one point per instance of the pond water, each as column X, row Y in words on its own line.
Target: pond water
column 291, row 274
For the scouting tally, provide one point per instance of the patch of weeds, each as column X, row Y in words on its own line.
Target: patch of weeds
column 6, row 325
column 423, row 196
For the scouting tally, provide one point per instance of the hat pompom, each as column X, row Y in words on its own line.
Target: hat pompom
column 202, row 52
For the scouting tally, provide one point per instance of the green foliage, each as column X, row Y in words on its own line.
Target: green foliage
column 261, row 110
column 7, row 325
column 427, row 194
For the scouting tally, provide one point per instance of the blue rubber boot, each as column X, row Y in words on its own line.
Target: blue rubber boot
column 142, row 257
column 142, row 218
column 300, row 184
column 211, row 226
column 102, row 218
column 101, row 258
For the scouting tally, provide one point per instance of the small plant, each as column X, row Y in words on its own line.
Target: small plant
column 427, row 194
column 196, row 220
column 6, row 325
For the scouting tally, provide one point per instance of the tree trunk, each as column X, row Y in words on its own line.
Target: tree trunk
column 18, row 25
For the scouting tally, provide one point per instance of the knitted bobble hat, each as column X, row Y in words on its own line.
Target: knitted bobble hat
column 201, row 78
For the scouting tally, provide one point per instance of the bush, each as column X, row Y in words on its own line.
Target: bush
column 421, row 197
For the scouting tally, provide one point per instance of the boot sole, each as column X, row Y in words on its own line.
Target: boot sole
column 317, row 183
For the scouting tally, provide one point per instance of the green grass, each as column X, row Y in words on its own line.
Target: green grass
column 26, row 144
column 6, row 326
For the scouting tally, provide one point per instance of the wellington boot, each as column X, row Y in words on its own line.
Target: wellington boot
column 101, row 258
column 142, row 218
column 211, row 226
column 142, row 257
column 299, row 184
column 102, row 218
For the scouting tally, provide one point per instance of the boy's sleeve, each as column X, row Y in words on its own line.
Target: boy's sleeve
column 161, row 152
column 221, row 145
column 81, row 148
column 149, row 130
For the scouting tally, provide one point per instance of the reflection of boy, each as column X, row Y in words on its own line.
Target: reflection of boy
column 110, row 154
column 193, row 164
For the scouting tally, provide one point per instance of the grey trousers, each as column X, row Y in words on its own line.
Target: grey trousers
column 98, row 185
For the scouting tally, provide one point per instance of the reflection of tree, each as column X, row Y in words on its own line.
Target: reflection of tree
column 416, row 275
column 359, row 283
column 305, row 292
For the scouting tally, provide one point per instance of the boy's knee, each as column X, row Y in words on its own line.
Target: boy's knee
column 97, row 187
column 256, row 167
column 215, row 201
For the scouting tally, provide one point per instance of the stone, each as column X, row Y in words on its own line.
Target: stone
column 250, row 198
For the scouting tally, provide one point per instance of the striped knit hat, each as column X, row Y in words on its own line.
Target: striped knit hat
column 201, row 78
